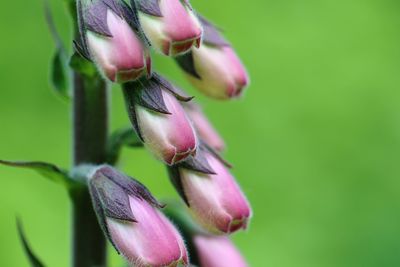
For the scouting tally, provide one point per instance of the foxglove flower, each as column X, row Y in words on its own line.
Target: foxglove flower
column 159, row 119
column 170, row 25
column 217, row 251
column 214, row 68
column 203, row 127
column 211, row 192
column 111, row 38
column 130, row 218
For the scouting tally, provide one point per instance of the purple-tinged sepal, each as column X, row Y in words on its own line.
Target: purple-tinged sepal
column 159, row 119
column 111, row 37
column 211, row 192
column 170, row 25
column 214, row 68
column 130, row 218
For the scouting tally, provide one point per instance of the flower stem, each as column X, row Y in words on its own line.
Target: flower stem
column 90, row 126
column 90, row 131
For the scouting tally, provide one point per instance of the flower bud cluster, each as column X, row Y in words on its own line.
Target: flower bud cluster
column 116, row 35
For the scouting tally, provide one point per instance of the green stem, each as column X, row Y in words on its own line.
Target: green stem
column 90, row 131
column 90, row 113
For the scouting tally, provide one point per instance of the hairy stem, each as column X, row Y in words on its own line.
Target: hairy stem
column 90, row 130
column 90, row 123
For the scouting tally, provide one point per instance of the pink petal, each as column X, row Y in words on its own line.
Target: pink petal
column 217, row 251
column 122, row 56
column 222, row 74
column 216, row 200
column 179, row 22
column 152, row 241
column 205, row 130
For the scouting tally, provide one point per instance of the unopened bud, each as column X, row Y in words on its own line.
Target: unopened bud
column 170, row 25
column 129, row 215
column 211, row 192
column 217, row 251
column 111, row 41
column 214, row 68
column 160, row 119
column 204, row 128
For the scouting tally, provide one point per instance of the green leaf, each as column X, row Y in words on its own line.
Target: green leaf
column 33, row 259
column 47, row 170
column 60, row 73
column 119, row 139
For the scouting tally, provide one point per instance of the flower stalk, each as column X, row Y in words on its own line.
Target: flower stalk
column 90, row 129
column 111, row 44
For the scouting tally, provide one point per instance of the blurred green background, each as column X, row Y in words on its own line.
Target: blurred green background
column 315, row 142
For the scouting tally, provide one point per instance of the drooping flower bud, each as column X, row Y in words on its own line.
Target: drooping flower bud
column 203, row 127
column 111, row 38
column 211, row 192
column 218, row 251
column 130, row 218
column 170, row 25
column 205, row 250
column 214, row 68
column 159, row 119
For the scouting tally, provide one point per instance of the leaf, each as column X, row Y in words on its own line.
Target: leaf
column 33, row 259
column 60, row 73
column 119, row 139
column 47, row 170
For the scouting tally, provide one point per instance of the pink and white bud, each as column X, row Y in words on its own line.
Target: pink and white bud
column 221, row 73
column 121, row 57
column 171, row 26
column 218, row 251
column 204, row 128
column 150, row 241
column 215, row 200
column 169, row 137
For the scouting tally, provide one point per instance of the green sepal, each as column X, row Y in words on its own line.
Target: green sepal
column 33, row 259
column 119, row 139
column 177, row 213
column 83, row 66
column 47, row 170
column 60, row 75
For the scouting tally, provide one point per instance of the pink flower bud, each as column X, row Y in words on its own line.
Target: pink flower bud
column 204, row 128
column 129, row 216
column 151, row 241
column 170, row 137
column 215, row 199
column 122, row 56
column 218, row 251
column 214, row 68
column 221, row 72
column 170, row 25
